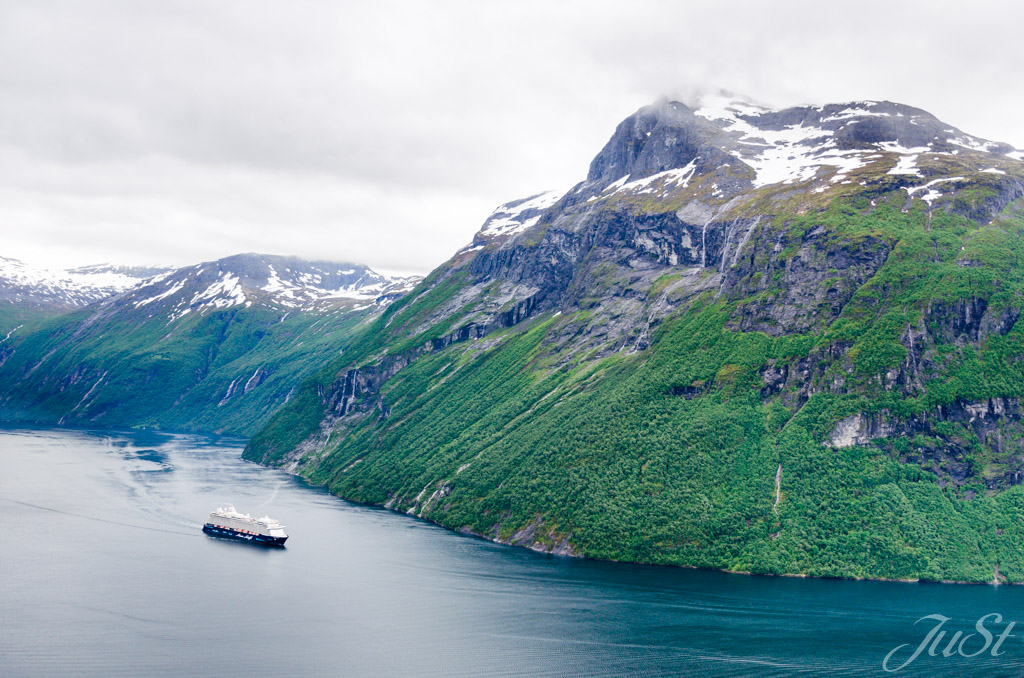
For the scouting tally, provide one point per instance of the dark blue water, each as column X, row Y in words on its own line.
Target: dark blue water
column 104, row 571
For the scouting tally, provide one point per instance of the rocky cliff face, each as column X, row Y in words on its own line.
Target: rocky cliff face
column 948, row 441
column 679, row 191
column 860, row 261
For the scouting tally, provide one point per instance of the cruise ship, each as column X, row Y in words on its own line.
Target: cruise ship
column 228, row 523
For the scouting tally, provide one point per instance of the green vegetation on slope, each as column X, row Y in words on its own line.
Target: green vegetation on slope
column 189, row 374
column 670, row 455
column 23, row 319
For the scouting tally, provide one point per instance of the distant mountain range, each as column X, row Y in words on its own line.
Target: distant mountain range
column 285, row 282
column 216, row 346
column 28, row 287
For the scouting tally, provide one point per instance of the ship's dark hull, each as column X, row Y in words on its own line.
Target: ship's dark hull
column 228, row 533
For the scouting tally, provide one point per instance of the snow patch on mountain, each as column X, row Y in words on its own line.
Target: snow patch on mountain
column 173, row 289
column 679, row 177
column 974, row 144
column 224, row 293
column 786, row 164
column 728, row 108
column 931, row 194
column 791, row 154
column 906, row 164
column 518, row 215
column 854, row 111
column 895, row 147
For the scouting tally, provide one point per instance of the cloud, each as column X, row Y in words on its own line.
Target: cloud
column 386, row 132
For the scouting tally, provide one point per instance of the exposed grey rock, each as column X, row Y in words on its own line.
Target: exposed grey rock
column 996, row 423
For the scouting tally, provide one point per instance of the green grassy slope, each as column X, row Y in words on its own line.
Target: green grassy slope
column 135, row 371
column 23, row 319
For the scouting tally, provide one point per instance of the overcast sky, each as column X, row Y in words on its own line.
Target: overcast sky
column 168, row 132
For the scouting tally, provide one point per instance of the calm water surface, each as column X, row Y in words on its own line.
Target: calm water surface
column 104, row 571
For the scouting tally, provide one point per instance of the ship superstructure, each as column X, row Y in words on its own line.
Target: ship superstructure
column 228, row 523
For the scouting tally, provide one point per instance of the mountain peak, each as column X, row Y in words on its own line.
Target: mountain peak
column 721, row 146
column 720, row 154
column 656, row 138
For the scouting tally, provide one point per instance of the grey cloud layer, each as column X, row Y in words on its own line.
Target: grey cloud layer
column 385, row 132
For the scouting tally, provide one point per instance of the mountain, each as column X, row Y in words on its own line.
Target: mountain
column 28, row 293
column 23, row 285
column 213, row 347
column 274, row 282
column 776, row 341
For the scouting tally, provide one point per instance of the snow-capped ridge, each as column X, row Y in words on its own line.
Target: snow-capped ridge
column 240, row 280
column 30, row 286
column 271, row 281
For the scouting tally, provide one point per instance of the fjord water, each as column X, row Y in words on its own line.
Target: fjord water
column 104, row 571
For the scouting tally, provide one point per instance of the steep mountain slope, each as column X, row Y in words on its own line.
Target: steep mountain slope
column 213, row 347
column 771, row 341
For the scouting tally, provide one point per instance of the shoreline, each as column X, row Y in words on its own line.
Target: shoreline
column 529, row 547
